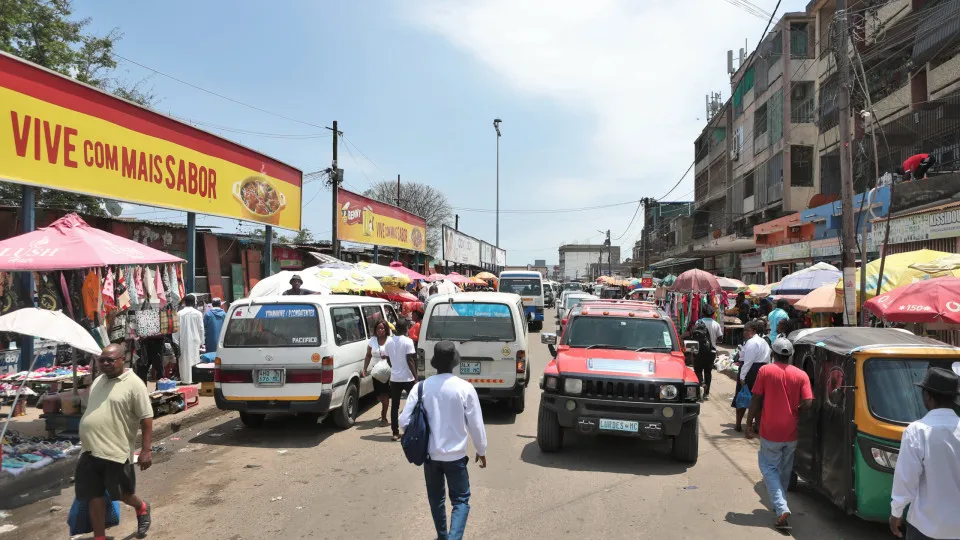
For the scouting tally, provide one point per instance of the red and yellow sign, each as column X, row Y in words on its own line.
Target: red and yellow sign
column 60, row 134
column 366, row 221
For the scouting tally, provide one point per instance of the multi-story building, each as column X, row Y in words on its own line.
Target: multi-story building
column 667, row 233
column 575, row 259
column 773, row 131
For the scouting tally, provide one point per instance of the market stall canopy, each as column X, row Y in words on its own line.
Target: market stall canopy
column 486, row 276
column 435, row 277
column 412, row 274
column 385, row 274
column 758, row 291
column 929, row 301
column 69, row 243
column 696, row 280
column 401, row 296
column 344, row 281
column 668, row 281
column 52, row 325
column 279, row 283
column 730, row 284
column 904, row 268
column 823, row 299
column 804, row 281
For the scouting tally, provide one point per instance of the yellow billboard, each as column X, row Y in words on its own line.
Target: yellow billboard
column 366, row 221
column 64, row 135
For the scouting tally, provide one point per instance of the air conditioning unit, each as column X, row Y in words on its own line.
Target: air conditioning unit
column 734, row 154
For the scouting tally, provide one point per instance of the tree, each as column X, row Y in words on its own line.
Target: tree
column 420, row 199
column 43, row 32
column 261, row 235
column 303, row 237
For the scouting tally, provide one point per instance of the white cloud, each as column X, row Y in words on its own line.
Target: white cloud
column 639, row 69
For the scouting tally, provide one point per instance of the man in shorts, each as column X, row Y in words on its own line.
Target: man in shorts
column 118, row 404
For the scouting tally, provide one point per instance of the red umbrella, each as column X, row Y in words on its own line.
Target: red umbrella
column 412, row 274
column 69, row 243
column 927, row 301
column 696, row 281
column 398, row 296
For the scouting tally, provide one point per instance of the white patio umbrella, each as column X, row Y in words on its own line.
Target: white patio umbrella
column 279, row 283
column 46, row 324
column 384, row 274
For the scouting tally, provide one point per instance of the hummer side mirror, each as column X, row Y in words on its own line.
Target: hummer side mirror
column 691, row 346
column 548, row 339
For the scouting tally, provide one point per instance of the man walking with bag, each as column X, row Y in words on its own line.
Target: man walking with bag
column 118, row 405
column 452, row 411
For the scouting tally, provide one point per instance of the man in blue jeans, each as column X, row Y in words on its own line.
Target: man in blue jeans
column 781, row 391
column 453, row 411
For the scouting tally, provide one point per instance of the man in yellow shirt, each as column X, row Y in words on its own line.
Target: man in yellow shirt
column 118, row 404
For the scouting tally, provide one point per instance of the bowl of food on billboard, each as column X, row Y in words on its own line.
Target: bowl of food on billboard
column 260, row 200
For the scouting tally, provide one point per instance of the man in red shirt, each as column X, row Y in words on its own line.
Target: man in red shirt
column 781, row 391
column 414, row 332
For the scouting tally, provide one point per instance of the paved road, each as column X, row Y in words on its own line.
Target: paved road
column 219, row 481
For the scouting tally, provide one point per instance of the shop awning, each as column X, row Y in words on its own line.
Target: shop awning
column 673, row 261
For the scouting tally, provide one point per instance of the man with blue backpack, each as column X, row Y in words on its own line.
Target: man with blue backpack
column 439, row 415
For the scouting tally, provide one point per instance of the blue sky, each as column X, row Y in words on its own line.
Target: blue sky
column 601, row 101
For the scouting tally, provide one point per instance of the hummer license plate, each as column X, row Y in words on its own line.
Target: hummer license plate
column 619, row 425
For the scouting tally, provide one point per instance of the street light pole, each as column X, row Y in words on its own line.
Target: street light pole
column 496, row 126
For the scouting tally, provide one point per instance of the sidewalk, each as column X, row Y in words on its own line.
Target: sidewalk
column 35, row 485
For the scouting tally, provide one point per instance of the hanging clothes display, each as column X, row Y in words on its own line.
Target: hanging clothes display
column 150, row 287
column 91, row 295
column 107, row 294
column 158, row 286
column 131, row 277
column 66, row 295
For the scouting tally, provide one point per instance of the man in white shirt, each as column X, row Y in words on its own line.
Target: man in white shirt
column 754, row 354
column 452, row 410
column 403, row 361
column 189, row 338
column 927, row 474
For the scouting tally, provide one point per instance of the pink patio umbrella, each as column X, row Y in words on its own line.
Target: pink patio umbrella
column 458, row 279
column 435, row 277
column 412, row 274
column 696, row 281
column 70, row 243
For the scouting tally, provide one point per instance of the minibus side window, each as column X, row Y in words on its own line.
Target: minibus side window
column 347, row 324
column 391, row 314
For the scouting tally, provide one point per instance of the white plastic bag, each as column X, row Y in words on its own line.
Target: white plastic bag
column 381, row 371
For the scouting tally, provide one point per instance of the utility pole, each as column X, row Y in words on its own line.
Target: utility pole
column 456, row 222
column 496, row 126
column 398, row 191
column 335, row 189
column 846, row 168
column 609, row 258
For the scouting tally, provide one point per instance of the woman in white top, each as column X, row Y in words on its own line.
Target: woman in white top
column 377, row 350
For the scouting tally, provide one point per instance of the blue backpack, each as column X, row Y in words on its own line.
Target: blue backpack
column 417, row 434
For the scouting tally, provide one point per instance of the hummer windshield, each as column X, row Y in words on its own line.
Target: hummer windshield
column 620, row 333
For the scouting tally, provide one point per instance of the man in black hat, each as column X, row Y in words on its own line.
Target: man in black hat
column 927, row 474
column 453, row 411
column 295, row 290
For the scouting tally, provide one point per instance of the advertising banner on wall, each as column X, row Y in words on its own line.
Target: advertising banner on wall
column 501, row 257
column 488, row 253
column 64, row 135
column 366, row 221
column 460, row 248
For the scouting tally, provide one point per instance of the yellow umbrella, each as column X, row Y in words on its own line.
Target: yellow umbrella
column 486, row 276
column 384, row 274
column 341, row 280
column 478, row 281
column 759, row 291
column 905, row 268
column 823, row 299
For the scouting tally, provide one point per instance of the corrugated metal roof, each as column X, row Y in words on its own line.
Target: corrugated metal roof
column 927, row 210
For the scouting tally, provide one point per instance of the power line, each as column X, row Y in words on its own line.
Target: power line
column 212, row 93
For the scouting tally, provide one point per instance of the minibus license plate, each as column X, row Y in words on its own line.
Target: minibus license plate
column 469, row 368
column 270, row 377
column 619, row 425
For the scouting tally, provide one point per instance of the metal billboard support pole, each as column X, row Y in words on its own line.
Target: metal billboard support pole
column 190, row 279
column 28, row 224
column 268, row 251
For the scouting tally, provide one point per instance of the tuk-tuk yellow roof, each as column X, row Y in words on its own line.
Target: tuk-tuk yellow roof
column 845, row 340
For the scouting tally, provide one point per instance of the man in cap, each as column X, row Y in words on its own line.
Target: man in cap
column 212, row 323
column 927, row 474
column 295, row 287
column 118, row 405
column 781, row 391
column 453, row 411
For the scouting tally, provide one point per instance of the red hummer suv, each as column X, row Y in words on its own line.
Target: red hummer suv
column 619, row 370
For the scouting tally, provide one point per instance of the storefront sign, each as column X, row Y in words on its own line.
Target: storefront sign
column 800, row 250
column 288, row 258
column 646, row 283
column 501, row 257
column 751, row 262
column 366, row 221
column 830, row 247
column 460, row 248
column 919, row 227
column 63, row 135
column 488, row 253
